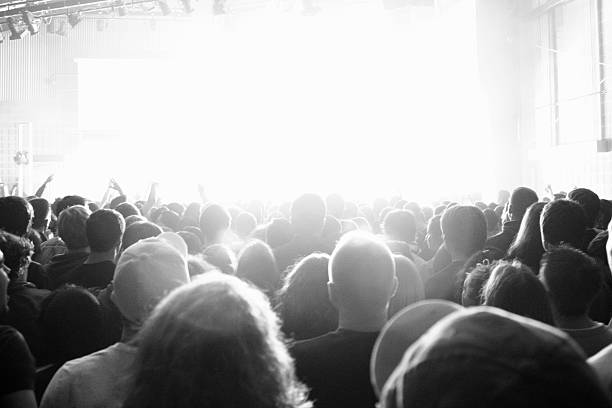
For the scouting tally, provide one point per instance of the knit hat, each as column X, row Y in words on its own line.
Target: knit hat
column 146, row 272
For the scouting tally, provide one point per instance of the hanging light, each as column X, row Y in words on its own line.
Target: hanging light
column 74, row 19
column 165, row 9
column 16, row 33
column 30, row 22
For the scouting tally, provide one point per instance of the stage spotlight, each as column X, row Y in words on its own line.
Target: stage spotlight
column 187, row 6
column 29, row 20
column 165, row 9
column 74, row 19
column 16, row 33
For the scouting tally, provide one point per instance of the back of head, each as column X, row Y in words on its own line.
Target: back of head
column 400, row 225
column 493, row 221
column 214, row 221
column 245, row 224
column 520, row 200
column 562, row 222
column 303, row 302
column 257, row 265
column 170, row 220
column 410, row 288
column 308, row 214
column 332, row 229
column 105, row 230
column 527, row 246
column 464, row 229
column 474, row 284
column 133, row 219
column 126, row 209
column 15, row 215
column 42, row 212
column 139, row 230
column 362, row 272
column 572, row 280
column 589, row 201
column 71, row 320
column 145, row 273
column 278, row 232
column 67, row 202
column 515, row 288
column 538, row 366
column 605, row 214
column 220, row 332
column 117, row 201
column 194, row 245
column 72, row 227
column 16, row 252
column 222, row 257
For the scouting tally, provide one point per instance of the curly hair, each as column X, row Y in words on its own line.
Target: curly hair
column 17, row 252
column 214, row 343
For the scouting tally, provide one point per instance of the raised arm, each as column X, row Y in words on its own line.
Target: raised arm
column 42, row 188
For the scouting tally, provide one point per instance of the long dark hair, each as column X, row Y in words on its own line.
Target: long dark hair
column 214, row 343
column 527, row 246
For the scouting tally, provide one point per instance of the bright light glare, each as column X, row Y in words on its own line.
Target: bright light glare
column 269, row 108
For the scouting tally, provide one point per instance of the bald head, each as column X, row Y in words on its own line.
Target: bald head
column 361, row 273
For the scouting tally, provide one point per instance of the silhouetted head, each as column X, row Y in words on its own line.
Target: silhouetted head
column 464, row 230
column 400, row 225
column 126, row 209
column 308, row 215
column 589, row 201
column 278, row 232
column 520, row 200
column 105, row 230
column 15, row 215
column 72, row 227
column 138, row 231
column 214, row 223
column 562, row 222
column 41, row 213
column 256, row 264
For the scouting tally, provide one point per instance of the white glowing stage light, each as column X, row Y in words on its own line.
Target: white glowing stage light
column 368, row 110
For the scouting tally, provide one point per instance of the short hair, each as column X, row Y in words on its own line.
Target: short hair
column 245, row 224
column 400, row 225
column 138, row 231
column 42, row 212
column 71, row 321
column 308, row 214
column 72, row 226
column 169, row 219
column 515, row 288
column 222, row 257
column 67, row 202
column 134, row 218
column 562, row 222
column 126, row 209
column 214, row 221
column 572, row 279
column 332, row 229
column 217, row 331
column 117, row 201
column 362, row 268
column 520, row 200
column 256, row 264
column 105, row 230
column 16, row 251
column 474, row 283
column 410, row 288
column 464, row 228
column 194, row 244
column 589, row 201
column 15, row 215
column 278, row 232
column 303, row 302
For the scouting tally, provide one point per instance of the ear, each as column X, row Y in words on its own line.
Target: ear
column 332, row 292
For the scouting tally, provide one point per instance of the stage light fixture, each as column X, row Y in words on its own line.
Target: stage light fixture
column 16, row 33
column 165, row 9
column 31, row 23
column 74, row 19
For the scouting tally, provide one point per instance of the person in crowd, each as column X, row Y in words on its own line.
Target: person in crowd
column 604, row 216
column 590, row 203
column 126, row 209
column 520, row 200
column 465, row 230
column 278, row 233
column 18, row 370
column 169, row 220
column 245, row 225
column 256, row 264
column 222, row 257
column 214, row 224
column 72, row 229
column 514, row 287
column 527, row 246
column 400, row 226
column 104, row 229
column 474, row 283
column 433, row 238
column 303, row 302
column 307, row 221
column 39, row 231
column 146, row 272
column 332, row 230
column 191, row 216
column 213, row 343
column 71, row 323
column 410, row 287
column 24, row 299
column 194, row 245
column 573, row 280
column 460, row 362
column 55, row 246
column 361, row 283
column 562, row 222
column 493, row 222
column 139, row 231
column 133, row 219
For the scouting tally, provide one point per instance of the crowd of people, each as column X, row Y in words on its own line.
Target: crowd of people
column 320, row 302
